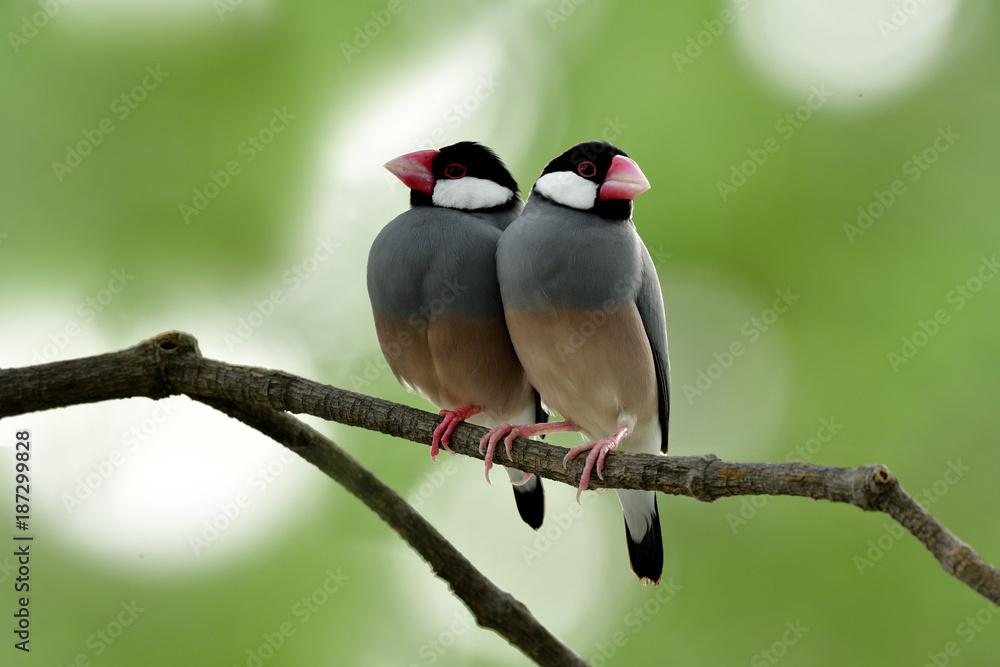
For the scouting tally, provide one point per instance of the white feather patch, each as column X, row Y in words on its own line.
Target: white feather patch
column 568, row 189
column 469, row 193
column 638, row 509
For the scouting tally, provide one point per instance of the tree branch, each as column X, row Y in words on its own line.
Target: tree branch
column 171, row 364
column 491, row 606
column 145, row 370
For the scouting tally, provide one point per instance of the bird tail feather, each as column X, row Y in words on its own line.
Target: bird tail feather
column 642, row 533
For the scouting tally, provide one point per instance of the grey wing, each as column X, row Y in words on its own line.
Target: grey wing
column 398, row 263
column 649, row 301
column 431, row 261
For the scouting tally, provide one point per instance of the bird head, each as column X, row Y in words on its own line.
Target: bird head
column 465, row 176
column 593, row 176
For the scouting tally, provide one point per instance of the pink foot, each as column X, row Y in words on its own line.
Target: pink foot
column 511, row 432
column 452, row 418
column 598, row 450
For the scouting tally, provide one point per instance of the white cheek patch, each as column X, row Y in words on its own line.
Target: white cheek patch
column 568, row 189
column 469, row 193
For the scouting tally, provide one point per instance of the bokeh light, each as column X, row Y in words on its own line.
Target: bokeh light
column 823, row 187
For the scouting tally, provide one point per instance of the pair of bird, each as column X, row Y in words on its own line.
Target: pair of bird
column 495, row 310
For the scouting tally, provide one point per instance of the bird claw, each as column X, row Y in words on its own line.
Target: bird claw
column 442, row 433
column 510, row 432
column 489, row 441
column 508, row 442
column 598, row 451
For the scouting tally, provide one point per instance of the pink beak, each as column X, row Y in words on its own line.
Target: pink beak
column 414, row 169
column 624, row 180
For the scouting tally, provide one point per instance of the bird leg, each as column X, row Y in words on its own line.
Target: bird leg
column 598, row 450
column 511, row 432
column 452, row 418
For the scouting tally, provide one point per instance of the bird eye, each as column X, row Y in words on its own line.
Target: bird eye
column 454, row 170
column 586, row 169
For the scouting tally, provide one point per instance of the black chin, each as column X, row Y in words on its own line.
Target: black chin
column 418, row 198
column 614, row 209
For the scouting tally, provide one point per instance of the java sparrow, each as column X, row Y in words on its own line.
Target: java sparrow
column 434, row 294
column 585, row 314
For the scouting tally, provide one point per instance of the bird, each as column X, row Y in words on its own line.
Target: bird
column 585, row 314
column 432, row 283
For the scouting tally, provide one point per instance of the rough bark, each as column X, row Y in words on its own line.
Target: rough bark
column 171, row 364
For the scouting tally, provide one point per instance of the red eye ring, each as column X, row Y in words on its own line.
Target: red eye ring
column 454, row 170
column 586, row 169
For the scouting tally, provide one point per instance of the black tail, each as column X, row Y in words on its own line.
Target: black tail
column 531, row 502
column 646, row 555
column 530, row 498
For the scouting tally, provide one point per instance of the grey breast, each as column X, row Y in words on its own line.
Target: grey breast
column 553, row 256
column 433, row 261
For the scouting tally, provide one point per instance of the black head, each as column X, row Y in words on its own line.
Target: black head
column 591, row 160
column 463, row 176
column 587, row 177
column 467, row 158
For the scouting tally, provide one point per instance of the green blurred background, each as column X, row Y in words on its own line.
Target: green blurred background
column 214, row 166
